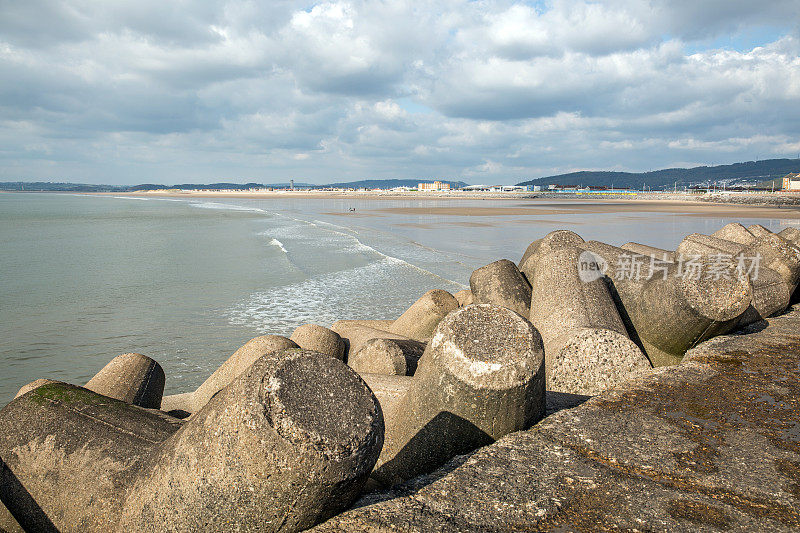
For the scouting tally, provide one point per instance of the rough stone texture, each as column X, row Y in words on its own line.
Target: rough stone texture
column 586, row 346
column 419, row 320
column 388, row 389
column 734, row 232
column 355, row 335
column 464, row 298
column 553, row 240
column 481, row 377
column 132, row 378
column 790, row 234
column 319, row 339
column 758, row 230
column 285, row 445
column 708, row 445
column 650, row 251
column 386, row 356
column 232, row 368
column 667, row 313
column 501, row 283
column 771, row 292
column 778, row 254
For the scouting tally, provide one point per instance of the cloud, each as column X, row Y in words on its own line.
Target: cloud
column 490, row 91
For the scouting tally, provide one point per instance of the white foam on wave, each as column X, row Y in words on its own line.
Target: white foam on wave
column 279, row 244
column 227, row 207
column 369, row 291
column 131, row 198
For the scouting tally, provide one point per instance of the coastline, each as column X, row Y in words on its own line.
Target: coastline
column 755, row 205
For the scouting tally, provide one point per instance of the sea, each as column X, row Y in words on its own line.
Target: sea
column 186, row 281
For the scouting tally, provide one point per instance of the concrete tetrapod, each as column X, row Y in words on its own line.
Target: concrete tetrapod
column 586, row 346
column 286, row 445
column 771, row 292
column 668, row 311
column 734, row 232
column 237, row 363
column 501, row 283
column 319, row 339
column 481, row 377
column 790, row 234
column 649, row 251
column 131, row 377
column 387, row 356
column 464, row 298
column 553, row 240
column 419, row 320
column 356, row 335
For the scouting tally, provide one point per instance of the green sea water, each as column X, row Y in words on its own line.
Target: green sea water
column 187, row 281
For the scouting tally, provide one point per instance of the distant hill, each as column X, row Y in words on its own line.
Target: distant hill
column 387, row 184
column 757, row 171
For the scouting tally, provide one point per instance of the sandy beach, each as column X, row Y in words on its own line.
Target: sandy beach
column 527, row 204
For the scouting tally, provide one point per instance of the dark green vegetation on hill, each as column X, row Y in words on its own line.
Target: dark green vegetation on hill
column 756, row 171
column 762, row 172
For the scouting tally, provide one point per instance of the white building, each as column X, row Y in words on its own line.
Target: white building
column 791, row 182
column 435, row 186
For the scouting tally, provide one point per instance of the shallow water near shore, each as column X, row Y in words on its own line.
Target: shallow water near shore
column 187, row 281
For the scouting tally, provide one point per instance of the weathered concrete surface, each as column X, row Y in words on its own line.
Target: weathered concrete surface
column 464, row 298
column 481, row 377
column 132, row 378
column 667, row 313
column 555, row 239
column 734, row 232
column 319, row 339
column 356, row 335
column 712, row 444
column 395, row 357
column 586, row 345
column 288, row 443
column 232, row 368
column 419, row 320
column 501, row 283
column 649, row 251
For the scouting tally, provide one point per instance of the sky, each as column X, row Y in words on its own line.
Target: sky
column 175, row 91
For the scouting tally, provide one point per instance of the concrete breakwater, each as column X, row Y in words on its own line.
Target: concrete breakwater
column 286, row 435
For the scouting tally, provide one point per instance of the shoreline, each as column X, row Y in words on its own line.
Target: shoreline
column 756, row 205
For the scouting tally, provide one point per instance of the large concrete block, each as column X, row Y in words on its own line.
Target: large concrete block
column 734, row 232
column 254, row 349
column 501, row 283
column 791, row 234
column 387, row 356
column 553, row 240
column 649, row 251
column 770, row 291
column 355, row 335
column 287, row 444
column 131, row 377
column 419, row 320
column 481, row 377
column 586, row 345
column 319, row 339
column 464, row 298
column 666, row 307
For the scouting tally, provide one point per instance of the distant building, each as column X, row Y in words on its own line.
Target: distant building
column 435, row 186
column 791, row 182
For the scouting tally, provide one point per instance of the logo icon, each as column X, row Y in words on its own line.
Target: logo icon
column 591, row 266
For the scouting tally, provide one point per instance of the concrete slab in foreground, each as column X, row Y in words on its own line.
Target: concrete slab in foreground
column 711, row 444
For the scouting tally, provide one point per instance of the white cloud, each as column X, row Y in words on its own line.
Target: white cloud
column 147, row 91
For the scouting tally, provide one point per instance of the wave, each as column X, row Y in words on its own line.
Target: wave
column 227, row 207
column 369, row 291
column 279, row 244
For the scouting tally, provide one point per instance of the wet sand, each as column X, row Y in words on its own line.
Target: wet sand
column 518, row 204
